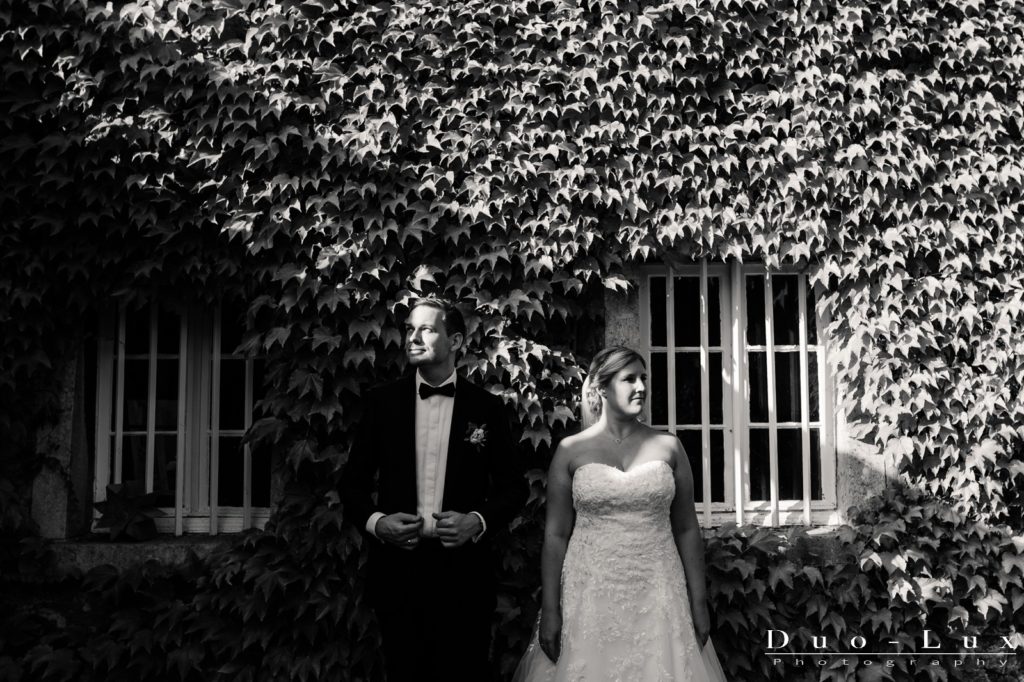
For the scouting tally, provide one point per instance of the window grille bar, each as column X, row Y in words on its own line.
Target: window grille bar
column 826, row 399
column 119, row 415
column 738, row 411
column 215, row 425
column 670, row 341
column 645, row 334
column 773, row 443
column 247, row 451
column 197, row 482
column 151, row 399
column 805, row 416
column 104, row 383
column 705, row 394
column 729, row 438
column 179, row 468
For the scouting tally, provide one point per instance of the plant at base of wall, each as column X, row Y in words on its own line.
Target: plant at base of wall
column 128, row 512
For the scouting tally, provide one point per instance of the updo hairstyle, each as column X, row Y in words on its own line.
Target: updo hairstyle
column 606, row 364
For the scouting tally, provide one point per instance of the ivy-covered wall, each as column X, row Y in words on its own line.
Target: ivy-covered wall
column 326, row 161
column 334, row 159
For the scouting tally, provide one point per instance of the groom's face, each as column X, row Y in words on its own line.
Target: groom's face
column 426, row 338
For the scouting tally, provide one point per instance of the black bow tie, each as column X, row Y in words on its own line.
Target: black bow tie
column 426, row 390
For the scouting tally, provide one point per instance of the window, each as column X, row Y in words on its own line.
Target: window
column 172, row 404
column 737, row 370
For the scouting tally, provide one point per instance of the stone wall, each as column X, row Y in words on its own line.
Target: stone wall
column 61, row 492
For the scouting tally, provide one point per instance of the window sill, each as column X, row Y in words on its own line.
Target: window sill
column 85, row 554
column 822, row 546
column 825, row 517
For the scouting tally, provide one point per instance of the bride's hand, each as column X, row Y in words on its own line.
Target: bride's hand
column 702, row 623
column 550, row 635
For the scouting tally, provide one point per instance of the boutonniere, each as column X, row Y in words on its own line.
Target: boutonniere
column 476, row 436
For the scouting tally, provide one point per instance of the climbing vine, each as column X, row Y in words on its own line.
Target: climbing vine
column 325, row 162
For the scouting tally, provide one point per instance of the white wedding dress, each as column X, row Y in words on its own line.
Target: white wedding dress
column 625, row 610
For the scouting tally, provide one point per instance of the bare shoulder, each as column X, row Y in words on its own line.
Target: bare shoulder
column 665, row 446
column 572, row 447
column 666, row 442
column 558, row 470
column 568, row 447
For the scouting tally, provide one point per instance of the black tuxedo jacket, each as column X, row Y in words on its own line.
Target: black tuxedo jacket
column 485, row 478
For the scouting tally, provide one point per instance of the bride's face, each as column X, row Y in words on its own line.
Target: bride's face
column 627, row 390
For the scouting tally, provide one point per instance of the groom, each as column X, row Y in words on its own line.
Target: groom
column 438, row 453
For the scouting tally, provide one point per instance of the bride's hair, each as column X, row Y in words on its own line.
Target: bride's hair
column 605, row 365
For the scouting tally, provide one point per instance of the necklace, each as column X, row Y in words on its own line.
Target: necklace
column 618, row 441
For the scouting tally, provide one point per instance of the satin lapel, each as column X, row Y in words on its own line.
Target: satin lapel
column 405, row 455
column 460, row 422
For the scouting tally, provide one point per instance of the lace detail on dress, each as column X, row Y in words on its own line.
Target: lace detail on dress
column 625, row 610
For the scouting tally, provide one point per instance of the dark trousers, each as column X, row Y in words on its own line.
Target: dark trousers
column 435, row 619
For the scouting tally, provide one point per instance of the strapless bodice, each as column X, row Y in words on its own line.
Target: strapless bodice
column 604, row 493
column 623, row 517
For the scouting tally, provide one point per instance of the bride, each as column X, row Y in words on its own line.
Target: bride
column 622, row 567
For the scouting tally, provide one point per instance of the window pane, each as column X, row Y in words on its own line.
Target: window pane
column 717, row 466
column 758, row 368
column 659, row 388
column 714, row 311
column 659, row 330
column 812, row 381
column 232, row 318
column 688, row 401
column 690, row 439
column 755, row 310
column 812, row 317
column 113, row 395
column 258, row 391
column 165, row 461
column 232, row 394
column 110, row 477
column 136, row 331
column 167, row 394
column 760, row 465
column 816, row 493
column 787, row 386
column 791, row 465
column 786, row 308
column 136, row 394
column 715, row 387
column 230, row 472
column 168, row 337
column 261, row 473
column 133, row 460
column 686, row 313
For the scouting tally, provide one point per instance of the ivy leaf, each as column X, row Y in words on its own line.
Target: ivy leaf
column 991, row 600
column 305, row 383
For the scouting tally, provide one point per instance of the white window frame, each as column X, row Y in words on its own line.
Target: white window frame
column 196, row 508
column 735, row 379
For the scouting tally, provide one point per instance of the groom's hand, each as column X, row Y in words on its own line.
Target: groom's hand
column 455, row 529
column 401, row 529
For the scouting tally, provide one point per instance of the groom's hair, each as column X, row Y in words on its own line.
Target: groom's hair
column 450, row 315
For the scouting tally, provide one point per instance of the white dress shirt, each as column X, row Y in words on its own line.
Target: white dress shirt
column 433, row 429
